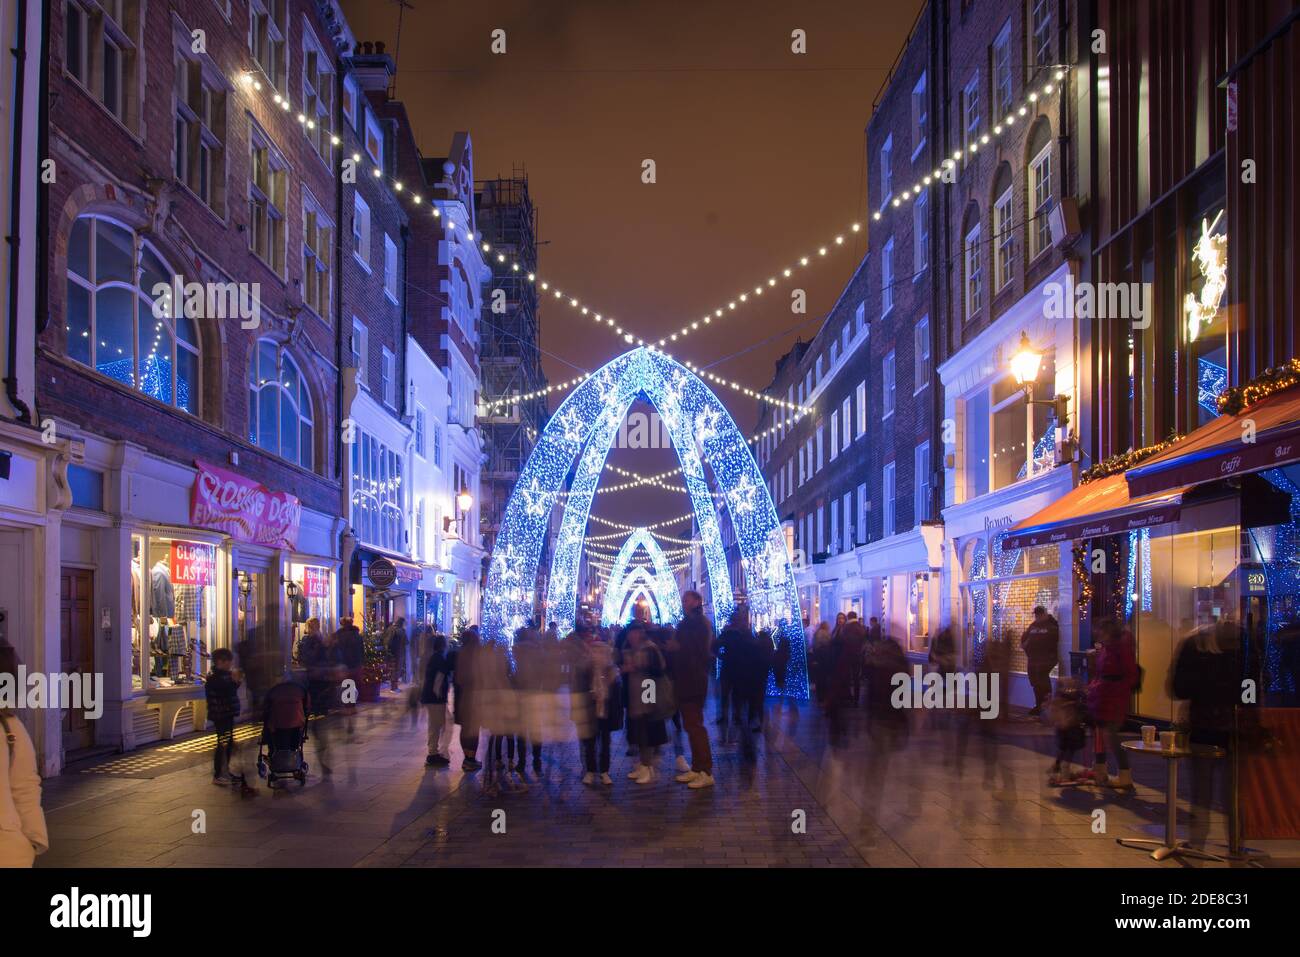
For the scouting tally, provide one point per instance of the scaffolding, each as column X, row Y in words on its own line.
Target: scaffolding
column 511, row 357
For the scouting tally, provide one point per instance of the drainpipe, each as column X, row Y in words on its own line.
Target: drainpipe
column 15, row 213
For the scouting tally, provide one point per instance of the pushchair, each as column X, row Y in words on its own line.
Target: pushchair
column 284, row 734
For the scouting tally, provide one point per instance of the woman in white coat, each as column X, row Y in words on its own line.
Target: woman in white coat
column 22, row 822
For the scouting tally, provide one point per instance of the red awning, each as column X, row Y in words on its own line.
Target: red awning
column 1102, row 507
column 1217, row 449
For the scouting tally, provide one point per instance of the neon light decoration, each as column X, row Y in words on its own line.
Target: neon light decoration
column 576, row 442
column 662, row 583
column 638, row 587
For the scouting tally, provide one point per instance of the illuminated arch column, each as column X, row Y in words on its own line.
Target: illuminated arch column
column 640, row 584
column 700, row 427
column 667, row 597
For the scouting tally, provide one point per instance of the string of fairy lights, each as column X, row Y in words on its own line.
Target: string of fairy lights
column 250, row 82
column 910, row 195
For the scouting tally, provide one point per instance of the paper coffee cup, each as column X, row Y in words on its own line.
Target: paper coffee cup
column 1166, row 740
column 1148, row 734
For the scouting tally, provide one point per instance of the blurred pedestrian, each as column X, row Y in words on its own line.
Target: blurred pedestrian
column 690, row 653
column 1040, row 643
column 467, row 674
column 644, row 670
column 221, row 691
column 395, row 644
column 1114, row 670
column 23, row 834
column 434, row 691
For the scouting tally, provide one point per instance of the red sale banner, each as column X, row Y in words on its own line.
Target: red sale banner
column 193, row 563
column 242, row 508
column 315, row 582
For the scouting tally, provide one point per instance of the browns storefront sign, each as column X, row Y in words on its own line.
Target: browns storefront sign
column 242, row 508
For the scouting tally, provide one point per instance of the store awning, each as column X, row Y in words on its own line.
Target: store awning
column 1218, row 449
column 1102, row 507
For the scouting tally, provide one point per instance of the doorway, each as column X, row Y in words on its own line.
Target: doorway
column 77, row 648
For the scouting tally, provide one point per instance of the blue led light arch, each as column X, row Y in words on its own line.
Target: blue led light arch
column 662, row 583
column 582, row 430
column 636, row 586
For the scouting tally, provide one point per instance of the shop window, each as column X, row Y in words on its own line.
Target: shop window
column 309, row 593
column 279, row 405
column 377, row 494
column 174, row 586
column 115, row 325
column 1006, row 438
column 1000, row 591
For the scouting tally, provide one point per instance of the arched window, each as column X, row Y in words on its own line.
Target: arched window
column 111, row 322
column 279, row 406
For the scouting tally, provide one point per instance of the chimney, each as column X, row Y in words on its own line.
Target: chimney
column 373, row 68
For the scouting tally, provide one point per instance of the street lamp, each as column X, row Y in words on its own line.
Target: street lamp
column 464, row 500
column 1025, row 366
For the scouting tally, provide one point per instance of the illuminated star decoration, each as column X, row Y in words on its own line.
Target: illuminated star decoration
column 536, row 499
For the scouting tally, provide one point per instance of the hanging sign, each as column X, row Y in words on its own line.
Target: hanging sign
column 242, row 508
column 315, row 582
column 193, row 563
column 381, row 572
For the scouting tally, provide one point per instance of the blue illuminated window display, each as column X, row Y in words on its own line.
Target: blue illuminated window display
column 581, row 431
column 662, row 586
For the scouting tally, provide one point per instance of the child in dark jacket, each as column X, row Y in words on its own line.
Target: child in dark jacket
column 222, row 692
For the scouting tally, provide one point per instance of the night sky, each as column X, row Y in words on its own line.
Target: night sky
column 759, row 155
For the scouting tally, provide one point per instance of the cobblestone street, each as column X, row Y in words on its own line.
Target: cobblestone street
column 382, row 807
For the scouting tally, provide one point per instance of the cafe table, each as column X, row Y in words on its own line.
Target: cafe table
column 1171, row 845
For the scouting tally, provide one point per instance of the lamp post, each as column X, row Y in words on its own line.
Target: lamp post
column 1025, row 366
column 464, row 502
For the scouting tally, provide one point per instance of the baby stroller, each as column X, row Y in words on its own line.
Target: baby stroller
column 284, row 733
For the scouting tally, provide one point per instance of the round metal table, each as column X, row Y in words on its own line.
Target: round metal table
column 1171, row 846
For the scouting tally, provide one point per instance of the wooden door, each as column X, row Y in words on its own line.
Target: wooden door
column 77, row 643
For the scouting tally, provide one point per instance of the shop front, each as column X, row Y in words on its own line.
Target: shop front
column 384, row 588
column 902, row 578
column 433, row 600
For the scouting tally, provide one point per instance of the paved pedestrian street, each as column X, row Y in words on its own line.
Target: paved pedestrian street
column 797, row 804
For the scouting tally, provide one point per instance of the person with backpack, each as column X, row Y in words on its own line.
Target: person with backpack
column 23, row 834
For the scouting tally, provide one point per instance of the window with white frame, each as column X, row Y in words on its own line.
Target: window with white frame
column 421, row 448
column 845, row 422
column 887, row 169
column 921, row 483
column 388, row 377
column 378, row 513
column 1001, row 58
column 835, row 524
column 887, row 277
column 844, row 340
column 115, row 326
column 101, row 51
column 887, row 384
column 361, row 230
column 268, row 187
column 351, row 100
column 1040, row 194
column 835, row 434
column 970, row 99
column 266, row 38
column 821, row 436
column 374, row 139
column 974, row 277
column 200, row 143
column 860, row 318
column 279, row 405
column 437, row 445
column 920, row 114
column 317, row 254
column 861, row 395
column 998, row 425
column 418, row 550
column 1004, row 246
column 821, row 530
column 318, row 96
column 835, row 352
column 360, row 349
column 921, row 354
column 847, row 543
column 862, row 514
column 390, row 268
column 789, row 476
column 1040, row 33
column 921, row 231
column 888, row 490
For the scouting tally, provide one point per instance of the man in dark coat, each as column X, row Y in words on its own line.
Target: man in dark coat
column 690, row 652
column 1040, row 643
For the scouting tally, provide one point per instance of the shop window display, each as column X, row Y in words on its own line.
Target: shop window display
column 1001, row 589
column 173, row 587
